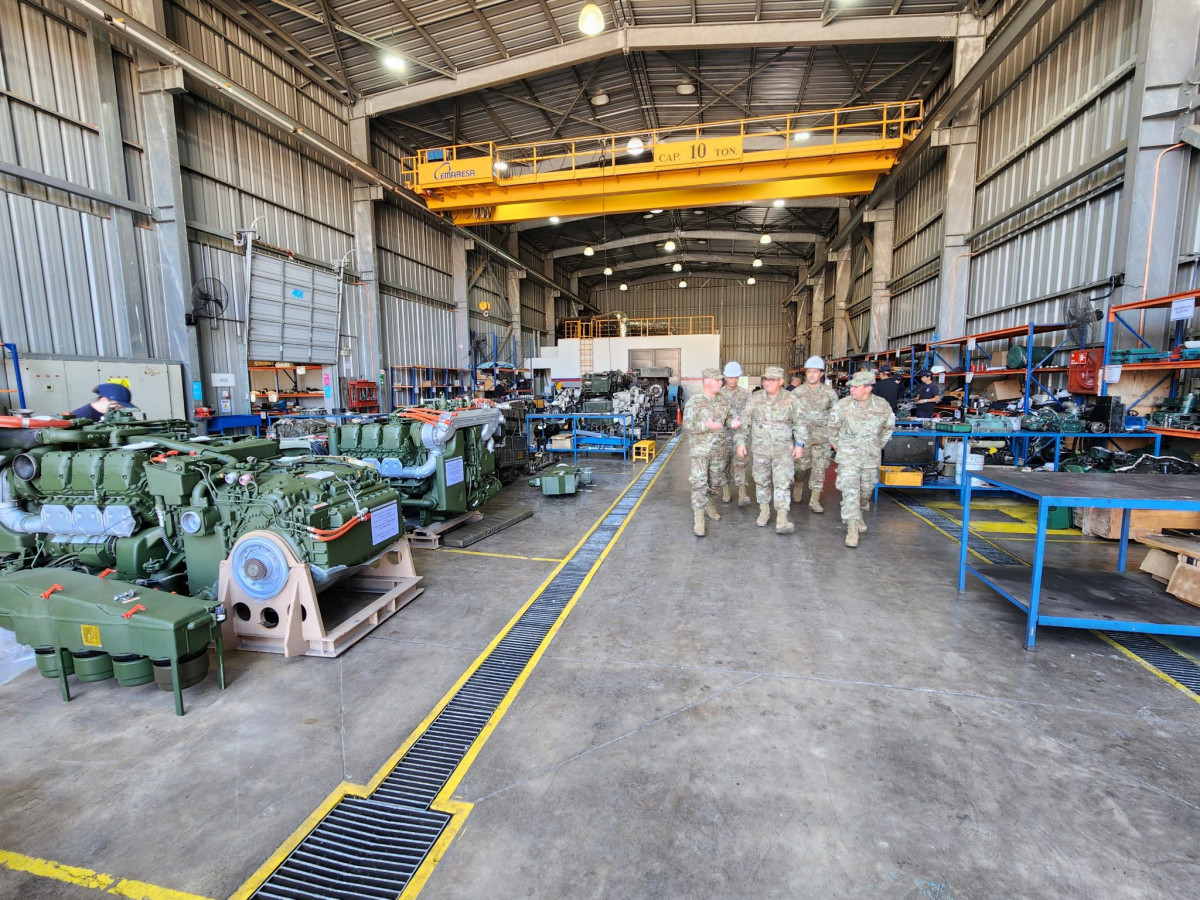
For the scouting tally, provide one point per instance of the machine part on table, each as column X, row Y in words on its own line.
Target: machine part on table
column 162, row 509
column 82, row 628
column 440, row 460
column 562, row 479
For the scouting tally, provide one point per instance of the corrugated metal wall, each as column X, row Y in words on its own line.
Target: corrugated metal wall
column 753, row 323
column 60, row 293
column 858, row 305
column 916, row 255
column 1188, row 276
column 411, row 256
column 1051, row 161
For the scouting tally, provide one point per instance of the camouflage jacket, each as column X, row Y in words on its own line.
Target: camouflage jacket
column 861, row 428
column 815, row 401
column 738, row 399
column 771, row 425
column 696, row 413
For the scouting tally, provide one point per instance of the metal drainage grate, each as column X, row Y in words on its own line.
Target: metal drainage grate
column 990, row 552
column 1166, row 659
column 369, row 848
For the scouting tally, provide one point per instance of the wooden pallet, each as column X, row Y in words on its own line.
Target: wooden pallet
column 496, row 517
column 429, row 537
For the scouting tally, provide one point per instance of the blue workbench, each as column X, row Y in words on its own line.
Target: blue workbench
column 1074, row 596
column 584, row 441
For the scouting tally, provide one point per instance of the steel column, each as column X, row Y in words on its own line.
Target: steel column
column 365, row 194
column 884, row 219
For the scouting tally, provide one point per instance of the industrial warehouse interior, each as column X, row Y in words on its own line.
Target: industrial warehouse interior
column 624, row 449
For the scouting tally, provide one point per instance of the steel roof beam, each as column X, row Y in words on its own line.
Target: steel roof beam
column 725, row 259
column 645, row 38
column 781, row 238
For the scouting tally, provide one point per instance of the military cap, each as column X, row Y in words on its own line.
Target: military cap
column 862, row 378
column 773, row 372
column 711, row 373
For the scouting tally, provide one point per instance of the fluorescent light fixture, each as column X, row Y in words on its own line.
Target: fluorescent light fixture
column 757, row 263
column 683, row 282
column 394, row 63
column 599, row 99
column 608, row 270
column 591, row 20
column 678, row 267
column 669, row 246
column 778, row 203
column 554, row 220
column 750, row 280
column 624, row 286
column 801, row 136
column 635, row 146
column 765, row 239
column 588, row 251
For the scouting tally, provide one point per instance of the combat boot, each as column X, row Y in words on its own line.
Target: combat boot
column 862, row 525
column 814, row 503
column 710, row 510
column 726, row 493
column 698, row 522
column 865, row 501
column 743, row 497
column 852, row 533
column 764, row 514
column 798, row 492
column 783, row 525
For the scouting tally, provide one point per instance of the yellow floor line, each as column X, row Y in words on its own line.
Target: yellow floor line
column 86, row 878
column 457, row 810
column 499, row 555
column 1148, row 666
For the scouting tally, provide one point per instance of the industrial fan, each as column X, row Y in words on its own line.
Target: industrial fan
column 1081, row 319
column 209, row 299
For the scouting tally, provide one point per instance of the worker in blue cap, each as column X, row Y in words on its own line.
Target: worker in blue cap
column 109, row 396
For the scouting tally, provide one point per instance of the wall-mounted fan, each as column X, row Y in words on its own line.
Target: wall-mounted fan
column 209, row 299
column 1081, row 318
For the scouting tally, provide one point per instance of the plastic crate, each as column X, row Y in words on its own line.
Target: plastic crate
column 898, row 475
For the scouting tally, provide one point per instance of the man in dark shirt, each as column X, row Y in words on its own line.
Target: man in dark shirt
column 109, row 396
column 887, row 386
column 926, row 395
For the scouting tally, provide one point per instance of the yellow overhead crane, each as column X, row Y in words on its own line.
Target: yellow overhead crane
column 827, row 153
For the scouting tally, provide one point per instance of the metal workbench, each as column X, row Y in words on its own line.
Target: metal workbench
column 1071, row 597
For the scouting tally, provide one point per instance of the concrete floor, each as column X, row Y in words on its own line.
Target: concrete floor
column 744, row 715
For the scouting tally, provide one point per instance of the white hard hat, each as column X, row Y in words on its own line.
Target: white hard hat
column 814, row 362
column 733, row 370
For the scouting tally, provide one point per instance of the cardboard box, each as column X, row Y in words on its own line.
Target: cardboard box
column 1106, row 523
column 1004, row 389
column 1160, row 564
column 1185, row 583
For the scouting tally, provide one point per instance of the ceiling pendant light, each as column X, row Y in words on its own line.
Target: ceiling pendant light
column 750, row 280
column 394, row 63
column 678, row 267
column 683, row 282
column 801, row 136
column 600, row 98
column 669, row 246
column 765, row 239
column 778, row 203
column 624, row 286
column 635, row 146
column 685, row 88
column 589, row 251
column 591, row 20
column 554, row 220
column 608, row 270
column 757, row 263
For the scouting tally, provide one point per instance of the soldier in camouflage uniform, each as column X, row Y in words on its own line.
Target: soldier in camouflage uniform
column 816, row 399
column 735, row 466
column 706, row 416
column 860, row 425
column 773, row 430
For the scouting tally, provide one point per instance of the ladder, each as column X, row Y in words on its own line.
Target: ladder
column 587, row 360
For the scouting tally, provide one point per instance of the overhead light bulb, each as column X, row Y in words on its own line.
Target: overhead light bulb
column 801, row 136
column 669, row 246
column 678, row 267
column 608, row 270
column 635, row 146
column 624, row 286
column 554, row 220
column 500, row 166
column 588, row 251
column 778, row 203
column 750, row 280
column 647, row 215
column 683, row 282
column 757, row 263
column 599, row 99
column 765, row 239
column 591, row 20
column 685, row 88
column 394, row 63
column 656, row 211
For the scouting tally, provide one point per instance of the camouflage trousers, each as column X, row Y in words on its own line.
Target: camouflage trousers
column 706, row 477
column 815, row 461
column 856, row 477
column 773, row 478
column 735, row 466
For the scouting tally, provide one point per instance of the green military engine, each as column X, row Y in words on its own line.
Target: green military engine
column 442, row 461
